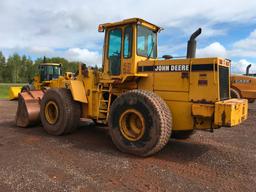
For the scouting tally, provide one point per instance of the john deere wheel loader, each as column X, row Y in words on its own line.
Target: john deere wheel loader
column 143, row 99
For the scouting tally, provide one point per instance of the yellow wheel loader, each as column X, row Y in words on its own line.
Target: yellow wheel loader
column 47, row 73
column 244, row 86
column 49, row 76
column 144, row 100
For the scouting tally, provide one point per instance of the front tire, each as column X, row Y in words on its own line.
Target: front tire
column 140, row 123
column 26, row 88
column 59, row 113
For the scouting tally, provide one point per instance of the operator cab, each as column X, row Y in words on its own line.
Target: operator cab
column 49, row 71
column 126, row 43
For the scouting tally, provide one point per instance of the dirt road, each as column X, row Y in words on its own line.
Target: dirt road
column 31, row 160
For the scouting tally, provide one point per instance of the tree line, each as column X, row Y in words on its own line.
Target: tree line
column 22, row 69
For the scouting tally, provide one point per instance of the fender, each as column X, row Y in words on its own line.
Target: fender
column 78, row 90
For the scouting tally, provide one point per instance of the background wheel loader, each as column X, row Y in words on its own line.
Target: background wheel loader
column 244, row 86
column 142, row 99
column 46, row 73
column 49, row 76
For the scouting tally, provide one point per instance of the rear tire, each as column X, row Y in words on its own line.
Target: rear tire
column 59, row 113
column 140, row 123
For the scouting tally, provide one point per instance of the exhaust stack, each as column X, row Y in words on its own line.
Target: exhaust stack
column 191, row 49
column 248, row 69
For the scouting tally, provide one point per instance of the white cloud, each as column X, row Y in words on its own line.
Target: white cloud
column 89, row 57
column 40, row 50
column 249, row 42
column 42, row 28
column 240, row 67
column 213, row 50
column 218, row 50
column 73, row 54
column 70, row 24
column 245, row 47
column 171, row 49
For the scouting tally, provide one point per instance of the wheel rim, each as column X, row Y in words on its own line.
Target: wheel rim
column 51, row 112
column 132, row 125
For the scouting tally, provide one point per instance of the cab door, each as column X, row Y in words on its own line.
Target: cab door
column 127, row 49
column 114, row 51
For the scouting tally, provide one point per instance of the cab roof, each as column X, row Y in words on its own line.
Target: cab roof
column 49, row 64
column 131, row 21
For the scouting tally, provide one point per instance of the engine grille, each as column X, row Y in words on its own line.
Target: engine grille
column 224, row 82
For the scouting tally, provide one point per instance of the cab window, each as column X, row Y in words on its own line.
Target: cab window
column 114, row 51
column 128, row 42
column 146, row 42
column 48, row 72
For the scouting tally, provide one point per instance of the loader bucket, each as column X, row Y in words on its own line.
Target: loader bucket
column 14, row 92
column 28, row 112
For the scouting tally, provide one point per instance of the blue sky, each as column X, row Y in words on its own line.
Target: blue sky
column 69, row 29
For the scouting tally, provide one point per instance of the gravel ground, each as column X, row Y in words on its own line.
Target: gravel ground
column 31, row 160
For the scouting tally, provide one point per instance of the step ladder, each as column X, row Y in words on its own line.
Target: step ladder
column 104, row 103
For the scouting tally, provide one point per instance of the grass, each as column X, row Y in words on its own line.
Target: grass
column 4, row 87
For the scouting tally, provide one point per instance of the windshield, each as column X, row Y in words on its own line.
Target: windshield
column 49, row 72
column 146, row 42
